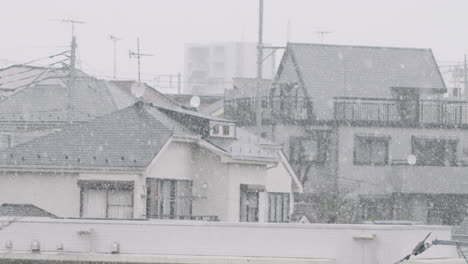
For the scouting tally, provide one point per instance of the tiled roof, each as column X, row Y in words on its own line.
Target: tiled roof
column 49, row 99
column 23, row 210
column 150, row 94
column 363, row 71
column 127, row 138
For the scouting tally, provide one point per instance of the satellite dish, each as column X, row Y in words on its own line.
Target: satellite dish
column 138, row 89
column 195, row 101
column 411, row 159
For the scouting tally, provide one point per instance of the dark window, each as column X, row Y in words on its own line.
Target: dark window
column 215, row 129
column 249, row 195
column 278, row 207
column 313, row 148
column 226, row 130
column 371, row 151
column 435, row 152
column 106, row 199
column 169, row 199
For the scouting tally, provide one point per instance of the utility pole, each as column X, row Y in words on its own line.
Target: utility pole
column 258, row 95
column 465, row 79
column 138, row 55
column 115, row 39
column 71, row 75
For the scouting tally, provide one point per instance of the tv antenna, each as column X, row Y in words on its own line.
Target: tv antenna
column 115, row 39
column 138, row 55
column 322, row 34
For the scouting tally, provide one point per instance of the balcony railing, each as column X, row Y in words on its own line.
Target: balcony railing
column 212, row 218
column 274, row 108
column 401, row 111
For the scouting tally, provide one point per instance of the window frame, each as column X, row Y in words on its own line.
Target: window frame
column 371, row 138
column 322, row 137
column 249, row 189
column 173, row 199
column 445, row 141
column 283, row 195
column 107, row 186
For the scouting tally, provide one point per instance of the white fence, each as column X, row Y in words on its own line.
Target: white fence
column 363, row 244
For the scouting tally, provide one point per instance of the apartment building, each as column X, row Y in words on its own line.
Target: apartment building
column 369, row 133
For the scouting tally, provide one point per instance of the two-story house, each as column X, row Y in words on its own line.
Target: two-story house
column 148, row 161
column 368, row 133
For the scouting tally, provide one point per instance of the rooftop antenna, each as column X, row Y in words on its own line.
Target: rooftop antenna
column 71, row 77
column 115, row 39
column 138, row 55
column 322, row 34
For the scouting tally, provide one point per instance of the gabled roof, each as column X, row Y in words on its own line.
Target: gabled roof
column 48, row 98
column 150, row 94
column 128, row 138
column 362, row 71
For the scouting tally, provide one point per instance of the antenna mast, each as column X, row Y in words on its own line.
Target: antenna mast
column 71, row 75
column 115, row 39
column 138, row 55
column 322, row 34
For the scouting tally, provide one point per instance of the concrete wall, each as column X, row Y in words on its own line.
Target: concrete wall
column 348, row 244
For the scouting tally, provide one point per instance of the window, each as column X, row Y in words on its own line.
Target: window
column 371, row 150
column 226, row 130
column 169, row 199
column 215, row 129
column 435, row 152
column 313, row 148
column 278, row 207
column 106, row 199
column 249, row 196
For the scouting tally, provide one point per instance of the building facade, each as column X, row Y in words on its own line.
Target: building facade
column 151, row 162
column 209, row 68
column 368, row 132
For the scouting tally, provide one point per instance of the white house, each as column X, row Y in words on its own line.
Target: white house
column 151, row 162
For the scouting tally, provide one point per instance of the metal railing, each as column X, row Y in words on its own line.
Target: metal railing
column 392, row 110
column 274, row 108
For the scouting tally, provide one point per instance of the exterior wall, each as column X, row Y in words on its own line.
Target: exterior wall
column 57, row 193
column 393, row 178
column 347, row 244
column 215, row 184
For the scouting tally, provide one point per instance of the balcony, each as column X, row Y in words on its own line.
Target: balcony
column 374, row 110
column 274, row 109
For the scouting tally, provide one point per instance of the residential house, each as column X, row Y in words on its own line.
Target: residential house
column 369, row 133
column 148, row 161
column 36, row 101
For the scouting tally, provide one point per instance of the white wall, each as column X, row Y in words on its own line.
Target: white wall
column 385, row 244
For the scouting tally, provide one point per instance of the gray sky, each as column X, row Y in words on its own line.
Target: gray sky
column 30, row 28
